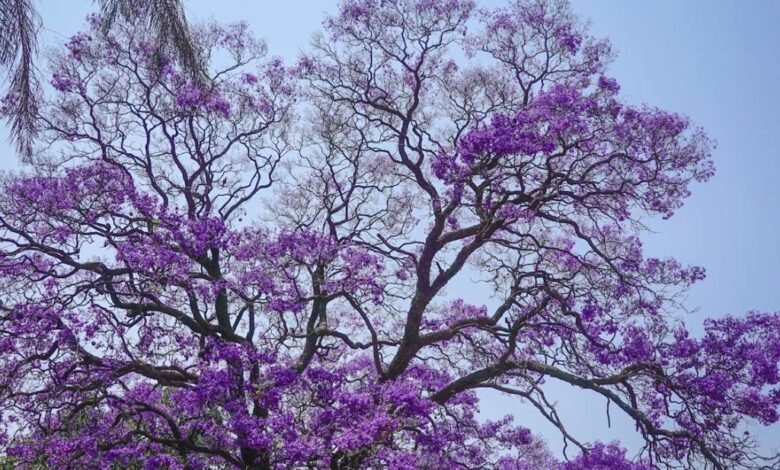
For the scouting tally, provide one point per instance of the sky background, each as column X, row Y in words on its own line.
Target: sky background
column 715, row 61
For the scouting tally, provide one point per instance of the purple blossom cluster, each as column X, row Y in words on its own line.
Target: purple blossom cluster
column 191, row 98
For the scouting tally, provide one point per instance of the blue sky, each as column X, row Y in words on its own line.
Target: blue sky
column 716, row 61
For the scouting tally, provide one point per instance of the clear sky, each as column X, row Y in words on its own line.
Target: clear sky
column 716, row 61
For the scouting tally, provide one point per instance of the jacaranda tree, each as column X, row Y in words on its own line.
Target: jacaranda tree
column 287, row 266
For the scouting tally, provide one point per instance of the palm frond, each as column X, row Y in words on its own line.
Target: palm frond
column 19, row 24
column 167, row 19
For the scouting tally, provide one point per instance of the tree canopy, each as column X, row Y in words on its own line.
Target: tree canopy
column 263, row 268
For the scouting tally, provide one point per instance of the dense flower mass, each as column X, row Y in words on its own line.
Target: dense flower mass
column 261, row 270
